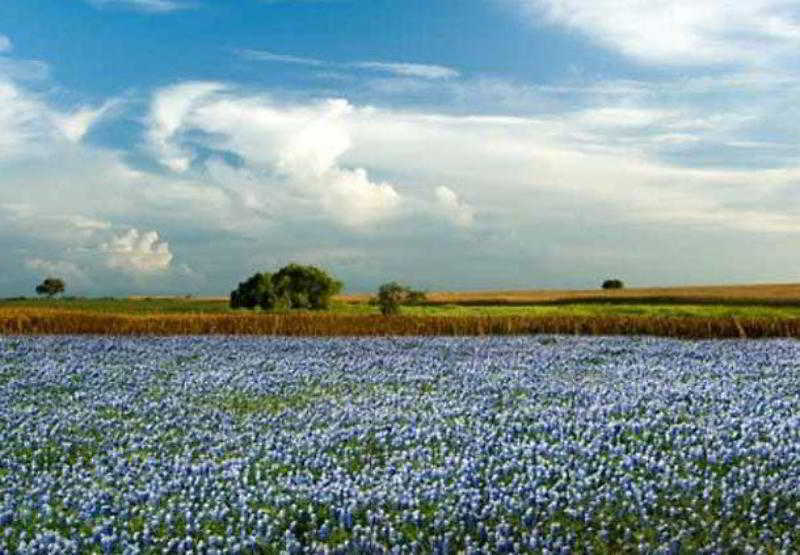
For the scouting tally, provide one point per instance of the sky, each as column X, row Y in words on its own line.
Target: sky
column 179, row 146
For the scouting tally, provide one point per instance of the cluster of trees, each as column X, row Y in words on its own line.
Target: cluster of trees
column 292, row 287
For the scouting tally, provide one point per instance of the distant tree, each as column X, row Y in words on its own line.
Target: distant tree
column 390, row 295
column 613, row 284
column 414, row 297
column 50, row 286
column 293, row 286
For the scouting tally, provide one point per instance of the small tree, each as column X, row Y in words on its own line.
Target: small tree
column 50, row 286
column 390, row 295
column 613, row 284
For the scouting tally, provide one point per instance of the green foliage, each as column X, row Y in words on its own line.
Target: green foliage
column 306, row 286
column 390, row 295
column 258, row 290
column 293, row 286
column 50, row 286
column 613, row 284
column 415, row 298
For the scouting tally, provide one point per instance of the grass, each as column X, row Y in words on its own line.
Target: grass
column 692, row 312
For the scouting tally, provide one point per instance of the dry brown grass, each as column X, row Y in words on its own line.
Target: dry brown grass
column 779, row 294
column 53, row 321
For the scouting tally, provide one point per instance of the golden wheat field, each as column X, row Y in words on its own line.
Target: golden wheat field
column 53, row 321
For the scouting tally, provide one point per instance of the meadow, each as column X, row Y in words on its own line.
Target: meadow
column 686, row 317
column 398, row 445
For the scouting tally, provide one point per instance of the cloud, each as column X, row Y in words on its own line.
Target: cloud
column 76, row 124
column 681, row 32
column 458, row 211
column 421, row 71
column 151, row 6
column 424, row 71
column 5, row 43
column 295, row 149
column 265, row 56
column 167, row 112
column 137, row 253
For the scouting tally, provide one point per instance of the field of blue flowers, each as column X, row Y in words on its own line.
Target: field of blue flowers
column 545, row 444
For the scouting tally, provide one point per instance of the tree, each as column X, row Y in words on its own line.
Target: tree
column 258, row 290
column 390, row 295
column 613, row 284
column 305, row 286
column 50, row 286
column 293, row 286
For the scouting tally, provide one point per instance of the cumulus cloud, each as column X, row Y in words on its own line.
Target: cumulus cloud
column 296, row 148
column 137, row 253
column 681, row 32
column 5, row 43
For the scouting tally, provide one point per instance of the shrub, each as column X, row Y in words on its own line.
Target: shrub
column 613, row 284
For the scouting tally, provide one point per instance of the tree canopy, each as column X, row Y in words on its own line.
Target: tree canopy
column 294, row 286
column 50, row 286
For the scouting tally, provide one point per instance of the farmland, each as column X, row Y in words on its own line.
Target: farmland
column 688, row 312
column 481, row 445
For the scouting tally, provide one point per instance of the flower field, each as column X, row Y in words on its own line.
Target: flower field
column 398, row 445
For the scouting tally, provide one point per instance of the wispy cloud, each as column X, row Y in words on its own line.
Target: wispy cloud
column 151, row 6
column 422, row 71
column 681, row 32
column 425, row 71
column 265, row 56
column 5, row 43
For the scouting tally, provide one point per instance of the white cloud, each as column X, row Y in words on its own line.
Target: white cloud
column 167, row 113
column 77, row 123
column 458, row 211
column 153, row 6
column 5, row 43
column 319, row 154
column 424, row 71
column 681, row 32
column 296, row 149
column 266, row 56
column 137, row 253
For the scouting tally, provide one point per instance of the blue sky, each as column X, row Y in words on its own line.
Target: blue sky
column 177, row 146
